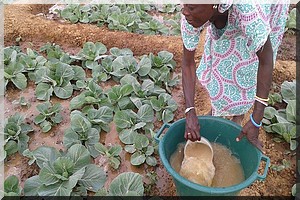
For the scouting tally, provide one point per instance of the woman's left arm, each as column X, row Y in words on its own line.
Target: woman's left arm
column 264, row 78
column 264, row 81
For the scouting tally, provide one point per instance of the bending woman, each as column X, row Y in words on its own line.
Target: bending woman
column 237, row 63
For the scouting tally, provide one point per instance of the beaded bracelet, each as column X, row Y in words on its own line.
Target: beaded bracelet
column 254, row 123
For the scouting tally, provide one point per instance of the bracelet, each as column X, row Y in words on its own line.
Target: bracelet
column 188, row 109
column 262, row 99
column 254, row 123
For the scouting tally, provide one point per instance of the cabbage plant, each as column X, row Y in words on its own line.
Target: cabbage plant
column 112, row 153
column 154, row 27
column 141, row 151
column 81, row 132
column 54, row 77
column 15, row 135
column 291, row 22
column 11, row 186
column 92, row 95
column 125, row 184
column 49, row 115
column 62, row 174
column 283, row 121
column 55, row 53
column 90, row 54
column 13, row 70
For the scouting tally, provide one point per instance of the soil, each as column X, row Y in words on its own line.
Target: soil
column 27, row 22
column 287, row 49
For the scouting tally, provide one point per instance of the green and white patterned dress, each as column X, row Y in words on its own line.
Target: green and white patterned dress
column 229, row 65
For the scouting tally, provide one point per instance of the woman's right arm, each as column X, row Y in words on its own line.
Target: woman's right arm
column 190, row 37
column 192, row 128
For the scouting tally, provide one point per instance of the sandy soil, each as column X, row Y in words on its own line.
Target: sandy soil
column 34, row 29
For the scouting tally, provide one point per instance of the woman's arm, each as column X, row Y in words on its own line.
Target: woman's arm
column 190, row 38
column 188, row 83
column 188, row 77
column 264, row 80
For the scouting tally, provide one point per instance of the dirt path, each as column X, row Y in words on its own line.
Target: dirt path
column 22, row 21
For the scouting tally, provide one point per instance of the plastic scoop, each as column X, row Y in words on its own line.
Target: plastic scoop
column 197, row 165
column 202, row 141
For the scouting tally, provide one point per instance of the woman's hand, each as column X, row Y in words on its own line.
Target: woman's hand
column 251, row 132
column 192, row 127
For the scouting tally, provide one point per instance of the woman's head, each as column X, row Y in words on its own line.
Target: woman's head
column 198, row 14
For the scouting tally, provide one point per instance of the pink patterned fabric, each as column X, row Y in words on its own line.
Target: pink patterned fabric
column 228, row 68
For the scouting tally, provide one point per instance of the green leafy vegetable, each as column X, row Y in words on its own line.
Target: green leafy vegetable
column 292, row 19
column 49, row 115
column 55, row 77
column 64, row 173
column 153, row 27
column 119, row 96
column 90, row 54
column 123, row 17
column 126, row 119
column 168, row 8
column 288, row 90
column 274, row 98
column 141, row 151
column 283, row 122
column 55, row 53
column 13, row 69
column 123, row 21
column 81, row 132
column 112, row 153
column 11, row 186
column 127, row 184
column 164, row 106
column 15, row 134
column 92, row 95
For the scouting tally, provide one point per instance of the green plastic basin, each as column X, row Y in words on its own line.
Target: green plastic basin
column 219, row 130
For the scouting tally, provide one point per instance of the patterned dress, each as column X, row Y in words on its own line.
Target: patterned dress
column 229, row 65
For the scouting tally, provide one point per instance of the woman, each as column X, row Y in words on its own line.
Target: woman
column 237, row 63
